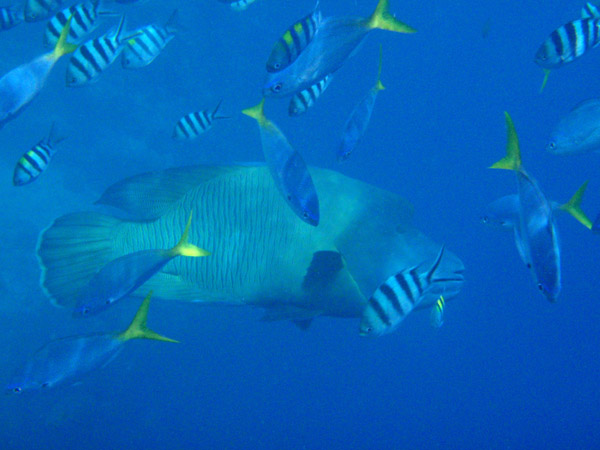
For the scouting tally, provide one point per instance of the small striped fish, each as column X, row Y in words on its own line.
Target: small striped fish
column 194, row 124
column 397, row 297
column 568, row 43
column 10, row 17
column 294, row 40
column 305, row 99
column 85, row 21
column 31, row 165
column 36, row 10
column 142, row 50
column 92, row 58
column 590, row 11
column 436, row 317
column 238, row 5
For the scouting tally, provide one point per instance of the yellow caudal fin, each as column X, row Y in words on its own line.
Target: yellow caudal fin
column 512, row 160
column 184, row 248
column 257, row 112
column 62, row 46
column 379, row 86
column 384, row 20
column 138, row 329
column 546, row 75
column 573, row 207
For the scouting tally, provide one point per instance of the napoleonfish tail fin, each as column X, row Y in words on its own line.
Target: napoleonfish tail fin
column 62, row 46
column 257, row 112
column 545, row 81
column 70, row 252
column 184, row 248
column 149, row 195
column 215, row 114
column 379, row 86
column 138, row 328
column 573, row 207
column 384, row 20
column 512, row 160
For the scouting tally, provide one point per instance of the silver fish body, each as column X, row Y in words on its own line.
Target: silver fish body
column 577, row 132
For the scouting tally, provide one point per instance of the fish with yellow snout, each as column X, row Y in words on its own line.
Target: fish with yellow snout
column 335, row 40
column 22, row 84
column 122, row 276
column 536, row 235
column 66, row 360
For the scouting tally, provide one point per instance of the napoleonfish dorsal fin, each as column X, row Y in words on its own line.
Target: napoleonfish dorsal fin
column 149, row 195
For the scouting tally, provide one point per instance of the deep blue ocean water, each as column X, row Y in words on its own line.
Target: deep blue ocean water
column 507, row 369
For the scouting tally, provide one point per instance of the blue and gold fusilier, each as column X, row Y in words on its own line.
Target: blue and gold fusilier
column 357, row 123
column 34, row 162
column 91, row 59
column 22, row 84
column 194, row 124
column 142, row 50
column 294, row 40
column 569, row 42
column 85, row 20
column 67, row 360
column 123, row 275
column 335, row 40
column 287, row 167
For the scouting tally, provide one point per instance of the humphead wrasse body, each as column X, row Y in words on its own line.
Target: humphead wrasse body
column 261, row 254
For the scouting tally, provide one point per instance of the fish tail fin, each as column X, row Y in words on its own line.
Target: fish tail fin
column 71, row 250
column 257, row 112
column 384, row 20
column 54, row 135
column 172, row 23
column 215, row 112
column 379, row 85
column 546, row 75
column 62, row 46
column 184, row 248
column 573, row 207
column 512, row 160
column 138, row 328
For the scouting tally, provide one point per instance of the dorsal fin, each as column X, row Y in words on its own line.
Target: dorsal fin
column 147, row 196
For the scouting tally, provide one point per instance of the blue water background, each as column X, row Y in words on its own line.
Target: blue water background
column 507, row 370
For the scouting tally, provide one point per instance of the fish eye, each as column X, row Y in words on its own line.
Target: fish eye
column 529, row 267
column 107, row 302
column 84, row 311
column 305, row 215
column 277, row 87
column 277, row 65
column 552, row 145
column 485, row 219
column 540, row 287
column 17, row 390
column 45, row 385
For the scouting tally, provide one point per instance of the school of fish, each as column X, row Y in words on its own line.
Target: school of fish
column 299, row 242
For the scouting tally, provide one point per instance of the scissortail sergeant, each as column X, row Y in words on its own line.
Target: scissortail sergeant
column 305, row 99
column 194, row 124
column 35, row 161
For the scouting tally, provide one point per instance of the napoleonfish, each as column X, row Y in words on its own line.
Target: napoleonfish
column 261, row 254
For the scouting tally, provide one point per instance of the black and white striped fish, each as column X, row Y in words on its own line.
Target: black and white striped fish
column 590, row 11
column 31, row 165
column 397, row 297
column 568, row 42
column 92, row 58
column 305, row 99
column 142, row 50
column 10, row 16
column 85, row 21
column 194, row 124
column 36, row 10
column 294, row 40
column 238, row 5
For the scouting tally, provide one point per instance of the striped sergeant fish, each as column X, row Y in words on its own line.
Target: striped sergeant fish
column 288, row 169
column 142, row 50
column 34, row 162
column 66, row 360
column 194, row 124
column 436, row 317
column 397, row 297
column 85, row 21
column 305, row 99
column 10, row 17
column 36, row 10
column 238, row 5
column 92, row 58
column 294, row 40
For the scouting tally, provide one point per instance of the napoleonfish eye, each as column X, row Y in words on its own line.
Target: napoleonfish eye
column 277, row 87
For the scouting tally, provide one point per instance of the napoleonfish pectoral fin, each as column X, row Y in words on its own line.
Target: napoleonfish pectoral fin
column 149, row 195
column 322, row 270
column 168, row 286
